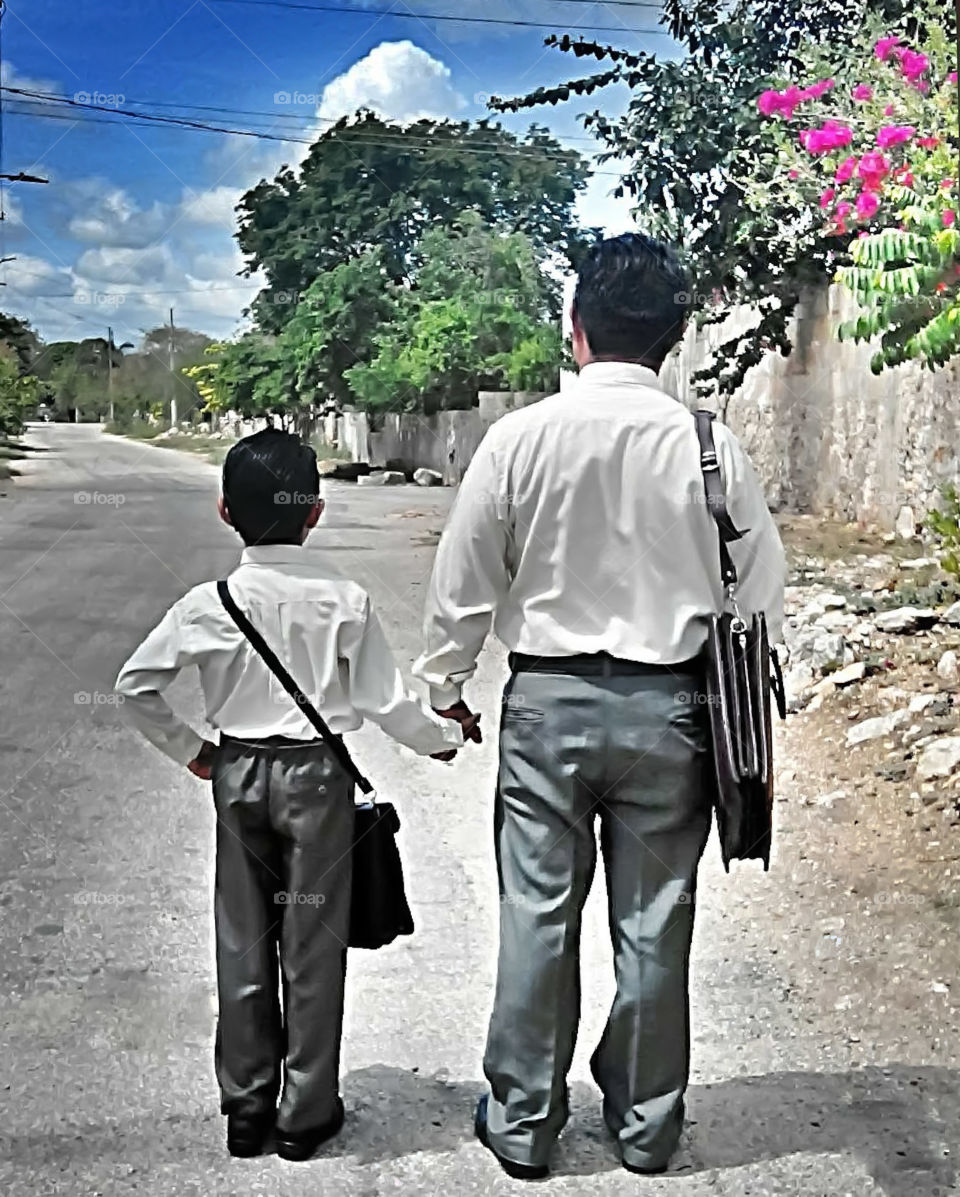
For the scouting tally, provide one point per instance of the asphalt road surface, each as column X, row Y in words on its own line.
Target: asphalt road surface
column 813, row 1075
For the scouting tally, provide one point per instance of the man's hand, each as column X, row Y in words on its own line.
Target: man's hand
column 469, row 723
column 202, row 765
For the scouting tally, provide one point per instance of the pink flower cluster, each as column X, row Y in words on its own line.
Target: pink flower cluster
column 832, row 135
column 913, row 64
column 786, row 102
column 890, row 135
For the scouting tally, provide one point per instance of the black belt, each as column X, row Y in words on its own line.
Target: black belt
column 600, row 665
column 269, row 742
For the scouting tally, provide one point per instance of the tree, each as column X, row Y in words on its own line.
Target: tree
column 332, row 328
column 20, row 337
column 688, row 182
column 875, row 150
column 19, row 393
column 483, row 315
column 254, row 376
column 369, row 185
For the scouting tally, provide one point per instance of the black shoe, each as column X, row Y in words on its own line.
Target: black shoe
column 303, row 1144
column 517, row 1171
column 637, row 1170
column 247, row 1135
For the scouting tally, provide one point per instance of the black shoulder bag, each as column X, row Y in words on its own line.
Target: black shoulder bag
column 742, row 672
column 379, row 911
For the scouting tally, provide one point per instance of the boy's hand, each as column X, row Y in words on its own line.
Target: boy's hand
column 202, row 765
column 469, row 723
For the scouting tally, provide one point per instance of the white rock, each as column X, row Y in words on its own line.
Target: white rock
column 850, row 674
column 798, row 680
column 919, row 563
column 948, row 667
column 905, row 619
column 833, row 602
column 836, row 621
column 952, row 616
column 906, row 525
column 828, row 800
column 922, row 701
column 827, row 651
column 877, row 727
column 939, row 758
column 383, row 478
column 425, row 477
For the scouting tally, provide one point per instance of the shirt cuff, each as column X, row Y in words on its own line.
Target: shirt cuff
column 452, row 733
column 442, row 698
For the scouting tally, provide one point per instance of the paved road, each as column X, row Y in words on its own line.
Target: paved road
column 107, row 1015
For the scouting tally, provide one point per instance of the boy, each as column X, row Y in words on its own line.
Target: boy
column 285, row 810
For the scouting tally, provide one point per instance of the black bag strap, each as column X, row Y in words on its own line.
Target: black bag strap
column 311, row 714
column 716, row 496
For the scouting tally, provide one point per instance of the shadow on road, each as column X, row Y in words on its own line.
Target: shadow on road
column 896, row 1121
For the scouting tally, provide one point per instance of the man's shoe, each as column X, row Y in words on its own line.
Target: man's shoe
column 246, row 1135
column 639, row 1170
column 302, row 1145
column 511, row 1167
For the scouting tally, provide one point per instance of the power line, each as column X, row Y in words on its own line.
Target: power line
column 427, row 16
column 520, row 151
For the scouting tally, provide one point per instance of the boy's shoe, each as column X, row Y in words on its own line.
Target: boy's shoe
column 639, row 1170
column 303, row 1144
column 511, row 1167
column 246, row 1135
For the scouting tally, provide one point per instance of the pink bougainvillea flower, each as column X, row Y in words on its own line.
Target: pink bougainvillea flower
column 904, row 176
column 949, row 218
column 863, row 91
column 818, row 89
column 867, row 205
column 913, row 64
column 873, row 169
column 843, row 210
column 928, row 143
column 889, row 135
column 831, row 135
column 827, row 197
column 847, row 169
column 885, row 47
column 947, row 184
column 794, row 175
column 952, row 77
column 889, row 110
column 769, row 103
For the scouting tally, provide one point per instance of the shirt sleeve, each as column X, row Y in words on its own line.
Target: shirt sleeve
column 377, row 692
column 141, row 683
column 759, row 557
column 470, row 580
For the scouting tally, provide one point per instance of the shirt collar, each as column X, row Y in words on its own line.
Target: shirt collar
column 272, row 554
column 620, row 374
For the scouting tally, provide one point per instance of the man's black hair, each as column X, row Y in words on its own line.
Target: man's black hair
column 632, row 299
column 270, row 484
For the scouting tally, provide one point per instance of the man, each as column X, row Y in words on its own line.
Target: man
column 581, row 528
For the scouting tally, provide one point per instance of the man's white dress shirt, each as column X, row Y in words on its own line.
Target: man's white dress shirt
column 581, row 526
column 323, row 629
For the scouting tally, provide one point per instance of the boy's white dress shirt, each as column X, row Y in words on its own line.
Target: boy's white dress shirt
column 323, row 629
column 581, row 527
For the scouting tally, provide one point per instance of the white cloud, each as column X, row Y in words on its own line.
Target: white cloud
column 35, row 276
column 119, row 268
column 11, row 77
column 213, row 207
column 397, row 80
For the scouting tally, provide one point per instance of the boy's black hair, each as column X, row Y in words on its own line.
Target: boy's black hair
column 632, row 299
column 270, row 484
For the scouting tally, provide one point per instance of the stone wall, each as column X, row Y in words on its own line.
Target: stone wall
column 828, row 436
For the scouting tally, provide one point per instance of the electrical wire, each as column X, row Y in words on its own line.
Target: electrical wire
column 426, row 16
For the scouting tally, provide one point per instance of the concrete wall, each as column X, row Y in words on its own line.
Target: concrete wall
column 828, row 436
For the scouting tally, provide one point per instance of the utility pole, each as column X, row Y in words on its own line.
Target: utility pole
column 173, row 376
column 110, row 372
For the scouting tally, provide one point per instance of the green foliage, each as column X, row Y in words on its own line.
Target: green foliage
column 482, row 316
column 369, row 185
column 945, row 524
column 689, row 185
column 19, row 394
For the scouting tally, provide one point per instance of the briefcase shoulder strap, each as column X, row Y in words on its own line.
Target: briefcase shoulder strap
column 716, row 495
column 311, row 714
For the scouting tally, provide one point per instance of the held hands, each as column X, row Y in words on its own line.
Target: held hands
column 202, row 765
column 469, row 723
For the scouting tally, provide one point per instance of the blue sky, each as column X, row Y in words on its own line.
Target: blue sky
column 136, row 219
